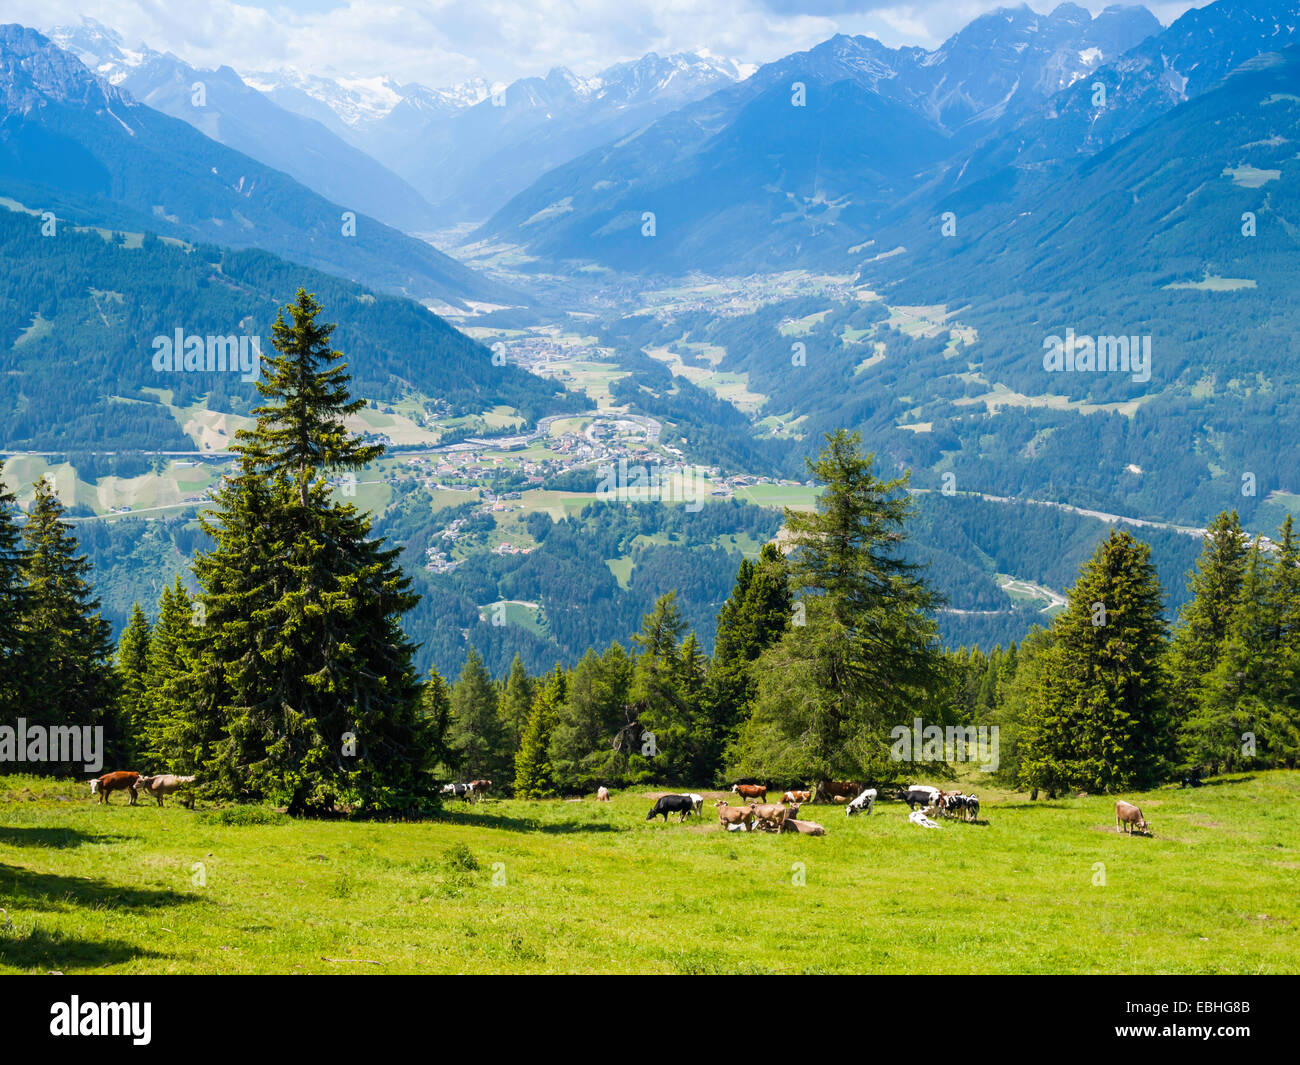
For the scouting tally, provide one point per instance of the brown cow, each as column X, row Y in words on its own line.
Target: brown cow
column 796, row 796
column 1128, row 814
column 161, row 785
column 602, row 794
column 479, row 788
column 771, row 816
column 806, row 828
column 836, row 790
column 750, row 791
column 110, row 782
column 734, row 815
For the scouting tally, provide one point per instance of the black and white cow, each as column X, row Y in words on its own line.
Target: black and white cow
column 461, row 791
column 671, row 804
column 864, row 802
column 919, row 795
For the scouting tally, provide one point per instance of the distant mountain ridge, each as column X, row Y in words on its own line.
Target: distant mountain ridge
column 68, row 136
column 240, row 117
column 750, row 162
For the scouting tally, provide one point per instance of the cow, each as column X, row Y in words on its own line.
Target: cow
column 795, row 797
column 602, row 794
column 770, row 816
column 729, row 816
column 162, row 785
column 479, row 788
column 697, row 801
column 835, row 790
column 919, row 795
column 750, row 791
column 866, row 801
column 670, row 804
column 954, row 802
column 1128, row 814
column 806, row 828
column 461, row 791
column 111, row 782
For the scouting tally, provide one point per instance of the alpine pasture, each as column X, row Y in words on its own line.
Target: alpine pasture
column 554, row 886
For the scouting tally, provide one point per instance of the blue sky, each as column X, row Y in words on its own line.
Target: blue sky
column 442, row 42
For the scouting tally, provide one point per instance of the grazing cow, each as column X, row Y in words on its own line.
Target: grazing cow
column 461, row 791
column 835, row 790
column 161, row 785
column 866, row 801
column 750, row 791
column 792, row 797
column 602, row 794
column 806, row 828
column 111, row 782
column 479, row 788
column 919, row 795
column 771, row 816
column 697, row 801
column 670, row 804
column 729, row 816
column 1128, row 814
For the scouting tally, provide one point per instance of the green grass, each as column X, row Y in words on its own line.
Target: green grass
column 508, row 886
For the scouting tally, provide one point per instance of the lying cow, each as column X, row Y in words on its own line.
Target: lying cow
column 697, row 801
column 602, row 794
column 796, row 797
column 111, row 782
column 1128, row 814
column 670, row 804
column 750, row 791
column 769, row 816
column 919, row 795
column 734, row 817
column 864, row 802
column 806, row 828
column 162, row 785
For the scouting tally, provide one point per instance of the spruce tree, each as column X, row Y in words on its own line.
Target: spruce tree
column 867, row 654
column 1203, row 622
column 302, row 659
column 534, row 776
column 476, row 736
column 1098, row 718
column 167, row 662
column 13, row 598
column 581, row 753
column 69, row 677
column 515, row 705
column 132, row 668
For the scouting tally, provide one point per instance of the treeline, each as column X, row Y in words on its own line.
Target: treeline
column 1108, row 696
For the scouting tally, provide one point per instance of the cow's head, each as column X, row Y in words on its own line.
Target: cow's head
column 94, row 787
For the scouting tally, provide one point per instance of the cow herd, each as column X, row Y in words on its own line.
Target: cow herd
column 924, row 802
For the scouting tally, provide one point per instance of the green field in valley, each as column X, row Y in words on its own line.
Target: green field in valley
column 514, row 886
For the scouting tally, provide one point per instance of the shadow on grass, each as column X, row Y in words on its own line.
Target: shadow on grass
column 54, row 951
column 51, row 891
column 53, row 837
column 522, row 824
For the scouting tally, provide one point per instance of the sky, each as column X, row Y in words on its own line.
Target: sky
column 445, row 42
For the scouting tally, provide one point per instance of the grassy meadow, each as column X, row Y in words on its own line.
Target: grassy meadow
column 514, row 886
